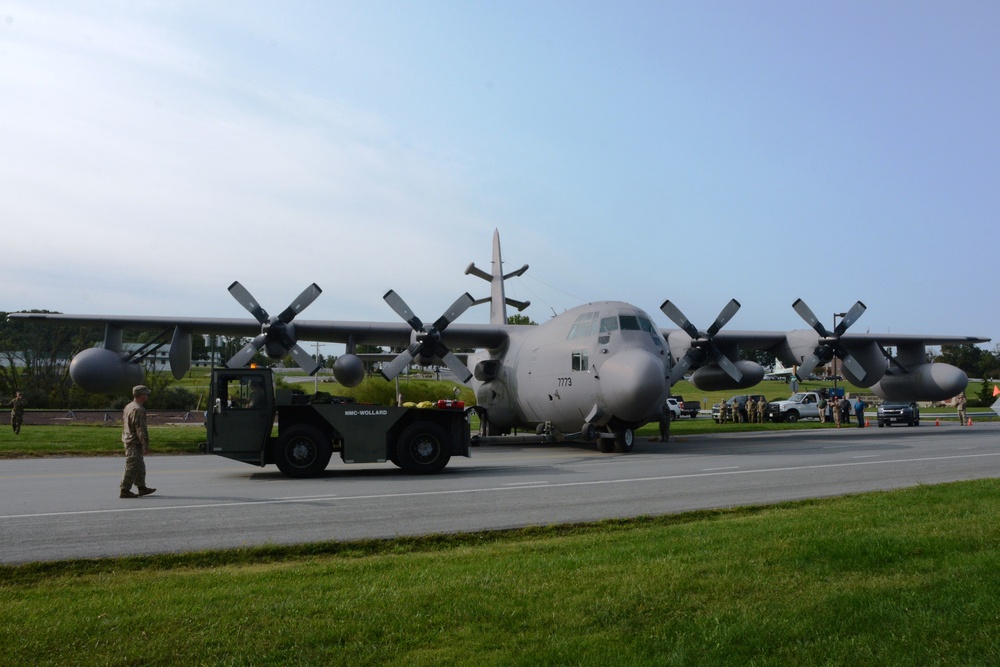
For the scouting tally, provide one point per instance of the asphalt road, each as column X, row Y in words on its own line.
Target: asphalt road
column 62, row 508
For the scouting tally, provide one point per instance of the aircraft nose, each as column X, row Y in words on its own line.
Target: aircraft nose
column 632, row 382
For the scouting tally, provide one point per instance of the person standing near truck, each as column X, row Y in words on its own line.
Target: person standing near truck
column 135, row 437
column 859, row 411
column 821, row 406
column 665, row 418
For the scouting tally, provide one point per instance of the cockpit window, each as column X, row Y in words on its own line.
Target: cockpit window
column 609, row 324
column 650, row 328
column 629, row 322
column 586, row 325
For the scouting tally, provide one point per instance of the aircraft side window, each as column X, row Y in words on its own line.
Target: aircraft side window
column 581, row 360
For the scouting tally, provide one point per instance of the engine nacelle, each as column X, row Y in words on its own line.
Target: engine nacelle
column 102, row 371
column 713, row 378
column 798, row 345
column 871, row 359
column 926, row 382
column 349, row 370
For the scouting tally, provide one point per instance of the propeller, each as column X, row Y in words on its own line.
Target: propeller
column 702, row 344
column 829, row 341
column 277, row 334
column 428, row 343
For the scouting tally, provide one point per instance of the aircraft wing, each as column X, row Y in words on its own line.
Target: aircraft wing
column 222, row 326
column 767, row 340
column 389, row 334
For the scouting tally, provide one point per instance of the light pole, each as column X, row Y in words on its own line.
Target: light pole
column 836, row 371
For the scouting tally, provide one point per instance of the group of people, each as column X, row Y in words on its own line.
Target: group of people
column 750, row 412
column 838, row 410
column 754, row 411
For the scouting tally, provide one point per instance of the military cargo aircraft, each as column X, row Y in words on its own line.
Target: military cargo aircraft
column 594, row 372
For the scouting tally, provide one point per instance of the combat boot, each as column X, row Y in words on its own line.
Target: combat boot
column 145, row 490
column 127, row 494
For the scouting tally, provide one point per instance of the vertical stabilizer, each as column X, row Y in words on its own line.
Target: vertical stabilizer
column 498, row 305
column 498, row 299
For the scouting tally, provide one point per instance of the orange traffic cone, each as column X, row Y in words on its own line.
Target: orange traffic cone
column 937, row 422
column 970, row 422
column 867, row 423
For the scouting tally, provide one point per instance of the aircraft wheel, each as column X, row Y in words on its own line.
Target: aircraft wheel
column 624, row 440
column 423, row 448
column 302, row 451
column 588, row 432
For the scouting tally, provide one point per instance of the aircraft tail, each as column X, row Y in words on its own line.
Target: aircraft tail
column 497, row 299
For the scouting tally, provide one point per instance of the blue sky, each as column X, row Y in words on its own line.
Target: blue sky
column 153, row 152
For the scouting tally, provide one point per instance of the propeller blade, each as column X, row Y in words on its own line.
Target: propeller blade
column 731, row 369
column 680, row 367
column 456, row 366
column 806, row 313
column 678, row 318
column 461, row 304
column 304, row 359
column 856, row 311
column 727, row 314
column 243, row 357
column 241, row 294
column 399, row 306
column 808, row 366
column 398, row 365
column 300, row 303
column 852, row 364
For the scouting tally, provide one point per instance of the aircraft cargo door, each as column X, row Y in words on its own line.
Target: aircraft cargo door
column 240, row 418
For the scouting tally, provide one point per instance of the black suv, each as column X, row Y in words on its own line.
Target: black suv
column 898, row 412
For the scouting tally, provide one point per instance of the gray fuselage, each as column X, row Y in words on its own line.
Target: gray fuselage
column 602, row 363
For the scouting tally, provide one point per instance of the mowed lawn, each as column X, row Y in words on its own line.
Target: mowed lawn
column 895, row 578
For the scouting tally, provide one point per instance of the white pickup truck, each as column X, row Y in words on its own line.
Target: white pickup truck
column 674, row 408
column 802, row 405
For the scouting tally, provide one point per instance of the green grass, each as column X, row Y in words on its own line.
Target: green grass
column 95, row 440
column 902, row 578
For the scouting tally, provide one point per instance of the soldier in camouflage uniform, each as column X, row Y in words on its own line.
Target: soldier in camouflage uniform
column 17, row 405
column 135, row 437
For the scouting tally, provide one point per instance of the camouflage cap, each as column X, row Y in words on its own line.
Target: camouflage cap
column 140, row 389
